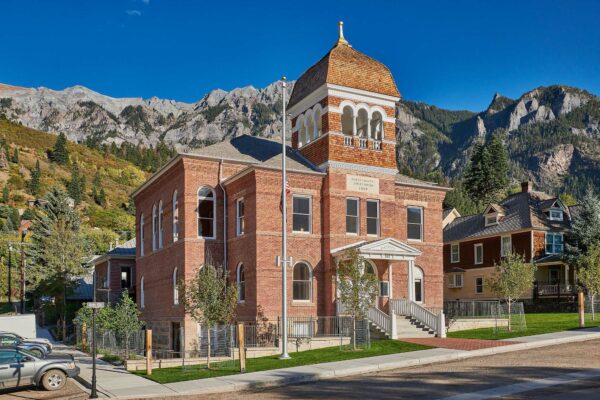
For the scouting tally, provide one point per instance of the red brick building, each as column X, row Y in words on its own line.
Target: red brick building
column 220, row 204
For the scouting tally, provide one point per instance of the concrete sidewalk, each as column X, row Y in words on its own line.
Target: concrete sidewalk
column 315, row 372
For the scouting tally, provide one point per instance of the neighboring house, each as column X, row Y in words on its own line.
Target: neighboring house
column 344, row 192
column 529, row 223
column 115, row 272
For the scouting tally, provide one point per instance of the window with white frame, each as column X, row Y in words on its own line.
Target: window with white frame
column 241, row 282
column 175, row 217
column 160, row 224
column 384, row 288
column 491, row 220
column 239, row 217
column 415, row 223
column 206, row 213
column 175, row 288
column 141, row 234
column 478, row 284
column 506, row 246
column 302, row 282
column 352, row 215
column 455, row 253
column 372, row 217
column 478, row 253
column 418, row 279
column 301, row 214
column 455, row 280
column 555, row 214
column 154, row 228
column 554, row 243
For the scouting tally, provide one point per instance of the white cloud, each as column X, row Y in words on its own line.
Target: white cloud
column 146, row 2
column 133, row 13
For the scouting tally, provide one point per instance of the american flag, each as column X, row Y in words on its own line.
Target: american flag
column 287, row 191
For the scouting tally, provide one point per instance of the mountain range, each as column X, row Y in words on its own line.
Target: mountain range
column 552, row 133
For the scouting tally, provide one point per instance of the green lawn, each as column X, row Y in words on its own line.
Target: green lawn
column 536, row 324
column 378, row 348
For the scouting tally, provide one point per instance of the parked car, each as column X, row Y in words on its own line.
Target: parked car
column 19, row 367
column 39, row 349
column 43, row 341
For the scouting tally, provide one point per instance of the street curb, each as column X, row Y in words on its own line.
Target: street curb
column 287, row 375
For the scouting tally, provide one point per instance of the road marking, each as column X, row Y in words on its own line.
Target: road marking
column 526, row 386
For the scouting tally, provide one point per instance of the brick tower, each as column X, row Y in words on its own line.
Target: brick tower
column 343, row 110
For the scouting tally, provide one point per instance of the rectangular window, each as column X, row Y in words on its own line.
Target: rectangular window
column 554, row 243
column 418, row 290
column 479, row 253
column 373, row 217
column 455, row 280
column 352, row 216
column 125, row 277
column 301, row 214
column 454, row 253
column 415, row 223
column 384, row 288
column 493, row 220
column 506, row 247
column 479, row 285
column 240, row 212
column 556, row 215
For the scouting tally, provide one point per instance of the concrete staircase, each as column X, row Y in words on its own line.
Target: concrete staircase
column 407, row 327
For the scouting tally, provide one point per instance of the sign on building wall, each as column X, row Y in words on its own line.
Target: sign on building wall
column 364, row 184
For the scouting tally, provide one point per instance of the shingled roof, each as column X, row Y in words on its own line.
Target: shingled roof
column 256, row 150
column 348, row 67
column 522, row 211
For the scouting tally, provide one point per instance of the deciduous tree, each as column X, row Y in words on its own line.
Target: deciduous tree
column 588, row 274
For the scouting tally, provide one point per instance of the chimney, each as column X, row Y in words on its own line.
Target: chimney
column 526, row 186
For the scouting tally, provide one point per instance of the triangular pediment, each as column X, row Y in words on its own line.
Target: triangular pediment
column 387, row 249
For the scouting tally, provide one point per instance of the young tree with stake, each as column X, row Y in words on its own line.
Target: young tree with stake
column 588, row 275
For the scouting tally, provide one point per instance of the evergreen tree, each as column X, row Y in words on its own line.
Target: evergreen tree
column 60, row 154
column 5, row 194
column 76, row 186
column 486, row 177
column 498, row 165
column 15, row 218
column 102, row 198
column 96, row 185
column 15, row 157
column 585, row 228
column 35, row 183
column 460, row 199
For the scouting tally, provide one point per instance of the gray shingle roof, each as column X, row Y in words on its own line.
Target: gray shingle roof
column 407, row 180
column 125, row 249
column 257, row 150
column 522, row 211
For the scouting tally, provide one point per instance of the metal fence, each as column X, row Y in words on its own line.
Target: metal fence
column 592, row 308
column 512, row 320
column 463, row 309
column 114, row 343
column 311, row 327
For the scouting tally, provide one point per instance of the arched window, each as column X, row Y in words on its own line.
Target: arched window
column 318, row 123
column 141, row 234
column 175, row 287
column 418, row 278
column 175, row 217
column 302, row 136
column 302, row 282
column 160, row 224
column 241, row 282
column 362, row 123
column 206, row 213
column 377, row 126
column 142, row 294
column 348, row 121
column 154, row 227
column 310, row 127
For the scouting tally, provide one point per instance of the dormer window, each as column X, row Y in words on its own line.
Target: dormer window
column 491, row 220
column 555, row 215
column 492, row 214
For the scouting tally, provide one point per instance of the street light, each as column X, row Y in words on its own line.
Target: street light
column 94, row 305
column 9, row 275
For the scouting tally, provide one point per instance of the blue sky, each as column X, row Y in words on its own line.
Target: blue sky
column 453, row 54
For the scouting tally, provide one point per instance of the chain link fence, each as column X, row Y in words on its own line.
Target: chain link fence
column 509, row 319
column 108, row 342
column 592, row 308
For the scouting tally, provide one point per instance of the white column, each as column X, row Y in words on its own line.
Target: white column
column 390, row 279
column 369, row 127
column 567, row 275
column 411, row 284
column 354, row 125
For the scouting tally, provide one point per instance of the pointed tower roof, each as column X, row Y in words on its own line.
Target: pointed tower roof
column 348, row 67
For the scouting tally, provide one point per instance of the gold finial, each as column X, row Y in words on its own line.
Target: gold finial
column 342, row 39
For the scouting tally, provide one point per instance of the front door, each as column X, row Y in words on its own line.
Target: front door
column 176, row 339
column 553, row 276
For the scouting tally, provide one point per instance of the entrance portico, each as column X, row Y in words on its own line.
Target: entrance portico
column 393, row 251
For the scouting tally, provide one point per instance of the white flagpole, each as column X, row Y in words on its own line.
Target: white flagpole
column 284, row 260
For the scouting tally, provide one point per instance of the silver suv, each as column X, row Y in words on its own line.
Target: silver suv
column 20, row 367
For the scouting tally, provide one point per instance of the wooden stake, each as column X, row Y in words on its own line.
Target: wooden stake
column 581, row 310
column 148, row 351
column 83, row 336
column 242, row 347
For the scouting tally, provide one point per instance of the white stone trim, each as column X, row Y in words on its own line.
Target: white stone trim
column 358, row 168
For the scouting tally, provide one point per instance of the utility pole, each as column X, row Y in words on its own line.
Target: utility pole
column 23, row 233
column 9, row 274
column 284, row 261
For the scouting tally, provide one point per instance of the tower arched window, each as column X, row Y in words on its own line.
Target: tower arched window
column 241, row 283
column 154, row 227
column 318, row 123
column 142, row 294
column 160, row 224
column 348, row 121
column 175, row 217
column 141, row 240
column 175, row 288
column 206, row 212
column 310, row 127
column 300, row 129
column 377, row 126
column 362, row 123
column 302, row 282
